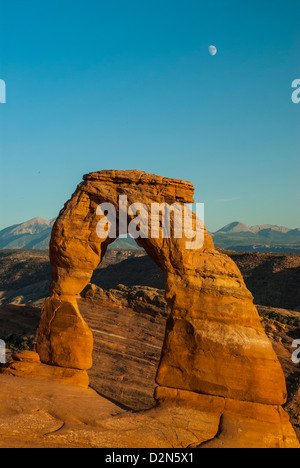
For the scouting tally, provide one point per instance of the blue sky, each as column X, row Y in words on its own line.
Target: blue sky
column 95, row 85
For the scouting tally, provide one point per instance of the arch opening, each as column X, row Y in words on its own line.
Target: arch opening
column 125, row 309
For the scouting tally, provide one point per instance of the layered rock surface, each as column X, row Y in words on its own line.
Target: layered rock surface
column 214, row 343
column 48, row 414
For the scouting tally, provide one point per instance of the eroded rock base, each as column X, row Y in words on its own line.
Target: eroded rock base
column 27, row 364
column 39, row 413
column 241, row 424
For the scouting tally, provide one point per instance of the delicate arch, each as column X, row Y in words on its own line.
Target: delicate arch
column 214, row 343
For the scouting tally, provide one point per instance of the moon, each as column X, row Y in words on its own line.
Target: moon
column 212, row 50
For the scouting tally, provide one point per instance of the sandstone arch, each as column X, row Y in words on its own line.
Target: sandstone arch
column 214, row 341
column 218, row 380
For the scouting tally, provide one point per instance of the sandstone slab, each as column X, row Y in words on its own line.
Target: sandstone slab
column 27, row 364
column 49, row 414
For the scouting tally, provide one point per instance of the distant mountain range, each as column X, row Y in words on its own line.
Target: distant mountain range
column 35, row 234
column 261, row 238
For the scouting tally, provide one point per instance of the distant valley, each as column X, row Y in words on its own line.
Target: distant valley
column 25, row 275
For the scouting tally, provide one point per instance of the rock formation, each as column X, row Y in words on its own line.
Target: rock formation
column 215, row 353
